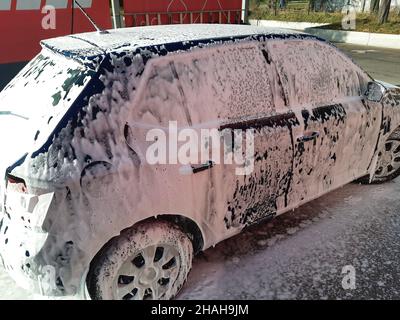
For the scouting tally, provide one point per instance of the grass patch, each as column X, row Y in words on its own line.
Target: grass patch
column 297, row 11
column 369, row 23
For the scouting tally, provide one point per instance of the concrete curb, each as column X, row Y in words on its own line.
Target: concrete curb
column 390, row 41
column 286, row 25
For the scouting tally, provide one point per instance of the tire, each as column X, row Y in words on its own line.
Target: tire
column 150, row 261
column 388, row 165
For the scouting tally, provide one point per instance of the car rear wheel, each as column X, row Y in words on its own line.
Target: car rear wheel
column 148, row 262
column 388, row 165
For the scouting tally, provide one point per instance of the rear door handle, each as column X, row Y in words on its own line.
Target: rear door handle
column 191, row 169
column 308, row 136
column 198, row 168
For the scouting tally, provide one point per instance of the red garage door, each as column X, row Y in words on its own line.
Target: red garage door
column 151, row 12
column 21, row 24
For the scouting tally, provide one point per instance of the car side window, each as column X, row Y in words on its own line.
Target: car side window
column 225, row 82
column 313, row 72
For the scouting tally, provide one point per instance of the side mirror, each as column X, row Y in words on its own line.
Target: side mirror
column 375, row 91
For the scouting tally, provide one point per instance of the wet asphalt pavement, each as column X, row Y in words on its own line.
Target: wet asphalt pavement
column 302, row 254
column 381, row 64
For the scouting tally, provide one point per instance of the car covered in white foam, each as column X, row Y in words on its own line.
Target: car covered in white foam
column 84, row 212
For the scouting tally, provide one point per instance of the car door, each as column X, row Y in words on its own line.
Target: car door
column 263, row 191
column 234, row 86
column 337, row 135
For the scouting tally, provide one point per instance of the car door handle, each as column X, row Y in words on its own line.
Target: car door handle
column 198, row 168
column 308, row 136
column 191, row 169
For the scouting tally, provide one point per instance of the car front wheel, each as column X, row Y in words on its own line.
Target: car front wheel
column 150, row 261
column 388, row 165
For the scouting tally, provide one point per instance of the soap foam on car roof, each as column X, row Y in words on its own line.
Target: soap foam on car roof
column 133, row 38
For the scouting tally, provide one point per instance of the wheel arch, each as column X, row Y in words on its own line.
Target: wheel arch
column 187, row 225
column 392, row 135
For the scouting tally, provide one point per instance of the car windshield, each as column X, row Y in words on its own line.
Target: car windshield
column 45, row 88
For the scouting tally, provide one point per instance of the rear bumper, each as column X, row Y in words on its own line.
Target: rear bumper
column 40, row 248
column 19, row 249
column 23, row 254
column 30, row 253
column 25, row 258
column 1, row 261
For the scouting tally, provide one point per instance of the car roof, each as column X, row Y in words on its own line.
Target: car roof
column 87, row 45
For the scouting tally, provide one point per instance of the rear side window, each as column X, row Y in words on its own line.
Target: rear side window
column 313, row 72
